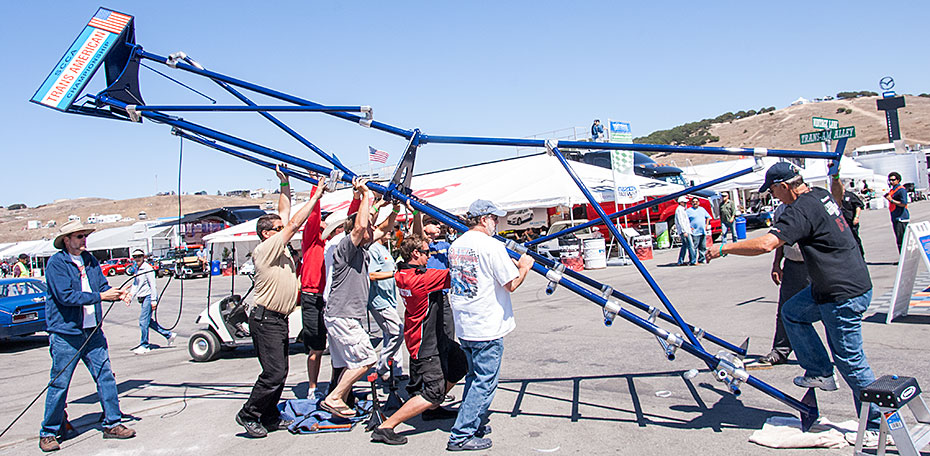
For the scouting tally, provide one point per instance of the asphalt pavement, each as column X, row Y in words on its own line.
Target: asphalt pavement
column 569, row 385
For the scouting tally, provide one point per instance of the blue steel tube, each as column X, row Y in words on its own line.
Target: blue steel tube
column 626, row 247
column 641, row 206
column 695, row 350
column 541, row 143
column 736, row 151
column 238, row 108
column 272, row 93
column 288, row 130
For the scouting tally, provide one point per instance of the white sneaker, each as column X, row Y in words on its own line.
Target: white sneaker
column 869, row 439
column 171, row 338
column 141, row 350
column 824, row 383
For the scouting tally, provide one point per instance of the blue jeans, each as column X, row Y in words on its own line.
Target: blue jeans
column 727, row 228
column 97, row 359
column 686, row 246
column 146, row 322
column 484, row 367
column 842, row 321
column 699, row 243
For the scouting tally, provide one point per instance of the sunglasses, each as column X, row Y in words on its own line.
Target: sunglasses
column 277, row 228
column 423, row 251
column 79, row 236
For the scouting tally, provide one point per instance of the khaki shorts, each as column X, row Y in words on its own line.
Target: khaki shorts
column 349, row 345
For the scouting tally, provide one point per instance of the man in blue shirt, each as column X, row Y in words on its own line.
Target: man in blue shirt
column 438, row 247
column 897, row 204
column 700, row 227
column 76, row 286
column 597, row 130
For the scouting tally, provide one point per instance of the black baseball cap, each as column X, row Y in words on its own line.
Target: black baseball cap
column 779, row 172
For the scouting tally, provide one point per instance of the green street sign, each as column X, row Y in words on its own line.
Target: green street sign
column 824, row 123
column 828, row 135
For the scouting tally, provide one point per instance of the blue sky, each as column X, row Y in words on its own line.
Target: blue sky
column 508, row 69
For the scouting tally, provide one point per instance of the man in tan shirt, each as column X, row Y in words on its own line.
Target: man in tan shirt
column 277, row 289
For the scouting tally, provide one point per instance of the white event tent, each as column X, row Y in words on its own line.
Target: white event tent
column 534, row 181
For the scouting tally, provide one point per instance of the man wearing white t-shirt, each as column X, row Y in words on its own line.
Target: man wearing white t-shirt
column 483, row 276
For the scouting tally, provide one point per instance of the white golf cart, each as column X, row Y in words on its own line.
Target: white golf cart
column 227, row 323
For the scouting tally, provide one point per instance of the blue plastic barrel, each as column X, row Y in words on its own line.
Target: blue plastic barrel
column 215, row 265
column 741, row 227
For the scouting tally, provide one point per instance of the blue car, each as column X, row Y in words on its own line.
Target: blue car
column 22, row 307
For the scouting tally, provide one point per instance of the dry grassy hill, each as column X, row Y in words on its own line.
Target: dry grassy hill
column 780, row 130
column 13, row 223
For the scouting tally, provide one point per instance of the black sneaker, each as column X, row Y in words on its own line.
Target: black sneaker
column 472, row 444
column 388, row 436
column 253, row 428
column 280, row 425
column 439, row 413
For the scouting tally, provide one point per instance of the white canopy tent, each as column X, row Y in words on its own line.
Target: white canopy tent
column 535, row 181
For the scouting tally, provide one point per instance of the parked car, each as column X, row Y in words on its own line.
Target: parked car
column 519, row 217
column 183, row 263
column 115, row 266
column 22, row 307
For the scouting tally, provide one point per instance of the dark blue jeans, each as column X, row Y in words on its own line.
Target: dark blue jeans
column 146, row 322
column 484, row 367
column 97, row 359
column 843, row 324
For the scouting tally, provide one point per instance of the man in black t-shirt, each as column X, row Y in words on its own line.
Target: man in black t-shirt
column 840, row 289
column 852, row 207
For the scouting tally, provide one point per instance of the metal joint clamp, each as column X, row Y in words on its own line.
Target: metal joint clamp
column 551, row 144
column 516, row 246
column 611, row 308
column 133, row 114
column 554, row 275
column 174, row 58
column 334, row 177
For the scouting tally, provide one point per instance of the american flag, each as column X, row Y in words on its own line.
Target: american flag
column 110, row 21
column 376, row 155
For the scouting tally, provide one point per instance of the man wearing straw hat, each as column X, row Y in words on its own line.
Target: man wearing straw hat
column 76, row 286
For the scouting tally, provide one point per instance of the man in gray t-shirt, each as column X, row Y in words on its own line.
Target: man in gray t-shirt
column 349, row 293
column 350, row 347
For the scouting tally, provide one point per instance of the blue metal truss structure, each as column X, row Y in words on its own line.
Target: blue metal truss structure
column 122, row 100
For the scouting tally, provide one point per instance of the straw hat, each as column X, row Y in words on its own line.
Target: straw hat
column 333, row 221
column 74, row 226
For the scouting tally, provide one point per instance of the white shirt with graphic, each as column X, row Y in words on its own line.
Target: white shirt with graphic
column 480, row 267
column 90, row 317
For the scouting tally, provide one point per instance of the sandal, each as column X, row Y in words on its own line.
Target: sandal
column 341, row 412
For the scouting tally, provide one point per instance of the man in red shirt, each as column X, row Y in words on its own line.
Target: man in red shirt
column 312, row 282
column 437, row 362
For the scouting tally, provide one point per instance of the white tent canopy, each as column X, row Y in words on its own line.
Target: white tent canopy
column 535, row 181
column 814, row 171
